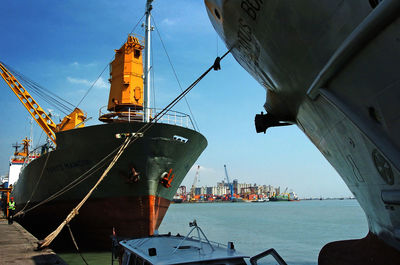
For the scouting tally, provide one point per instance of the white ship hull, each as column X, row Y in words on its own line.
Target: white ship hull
column 332, row 68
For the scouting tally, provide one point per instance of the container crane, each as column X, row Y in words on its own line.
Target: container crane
column 229, row 183
column 193, row 189
column 75, row 119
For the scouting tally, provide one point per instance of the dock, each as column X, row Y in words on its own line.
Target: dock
column 18, row 246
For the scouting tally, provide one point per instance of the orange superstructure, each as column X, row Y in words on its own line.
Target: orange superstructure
column 126, row 77
column 25, row 145
column 73, row 120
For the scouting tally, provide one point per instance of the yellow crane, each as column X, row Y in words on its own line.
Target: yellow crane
column 75, row 119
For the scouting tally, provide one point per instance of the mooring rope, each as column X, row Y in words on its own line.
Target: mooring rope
column 195, row 125
column 74, row 183
column 75, row 211
column 36, row 186
column 129, row 140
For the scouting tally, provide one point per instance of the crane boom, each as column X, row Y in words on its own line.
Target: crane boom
column 229, row 183
column 40, row 116
column 71, row 121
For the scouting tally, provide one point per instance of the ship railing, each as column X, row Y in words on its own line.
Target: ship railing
column 140, row 38
column 36, row 153
column 32, row 156
column 133, row 114
column 217, row 244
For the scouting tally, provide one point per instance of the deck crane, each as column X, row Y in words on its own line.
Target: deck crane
column 193, row 189
column 229, row 183
column 75, row 119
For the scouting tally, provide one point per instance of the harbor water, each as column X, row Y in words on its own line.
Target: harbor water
column 297, row 230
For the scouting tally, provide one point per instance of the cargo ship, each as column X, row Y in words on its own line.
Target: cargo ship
column 291, row 196
column 135, row 195
column 331, row 68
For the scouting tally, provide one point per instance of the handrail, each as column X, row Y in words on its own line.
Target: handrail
column 199, row 231
column 132, row 114
column 217, row 244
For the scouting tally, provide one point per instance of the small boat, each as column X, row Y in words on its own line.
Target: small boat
column 177, row 199
column 169, row 249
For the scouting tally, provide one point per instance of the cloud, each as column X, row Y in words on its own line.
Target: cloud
column 168, row 22
column 79, row 81
column 100, row 83
column 77, row 64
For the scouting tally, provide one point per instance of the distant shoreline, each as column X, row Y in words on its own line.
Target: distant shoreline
column 247, row 201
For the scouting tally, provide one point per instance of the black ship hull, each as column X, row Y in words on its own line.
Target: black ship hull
column 133, row 205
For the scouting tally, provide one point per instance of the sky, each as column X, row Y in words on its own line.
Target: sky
column 65, row 45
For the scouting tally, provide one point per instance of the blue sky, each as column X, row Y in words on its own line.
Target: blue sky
column 64, row 46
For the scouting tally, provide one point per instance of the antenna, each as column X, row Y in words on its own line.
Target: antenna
column 16, row 146
column 31, row 133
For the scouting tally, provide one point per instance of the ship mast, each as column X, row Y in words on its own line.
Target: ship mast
column 146, row 94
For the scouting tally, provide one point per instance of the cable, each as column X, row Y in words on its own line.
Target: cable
column 176, row 76
column 28, row 80
column 37, row 183
column 47, row 241
column 45, row 94
column 128, row 141
column 82, row 177
column 90, row 88
column 133, row 29
column 74, row 183
column 40, row 138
